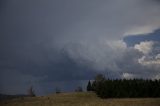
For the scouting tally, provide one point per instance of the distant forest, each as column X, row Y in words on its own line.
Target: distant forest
column 123, row 88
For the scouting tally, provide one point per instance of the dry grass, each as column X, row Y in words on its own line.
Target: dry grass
column 79, row 99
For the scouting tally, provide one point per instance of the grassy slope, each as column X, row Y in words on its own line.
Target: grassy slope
column 79, row 99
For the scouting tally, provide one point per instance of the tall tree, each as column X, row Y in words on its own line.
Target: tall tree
column 89, row 86
column 123, row 88
column 100, row 78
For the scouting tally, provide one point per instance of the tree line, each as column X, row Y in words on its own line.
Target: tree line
column 123, row 88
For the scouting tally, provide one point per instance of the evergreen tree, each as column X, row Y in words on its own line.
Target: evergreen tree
column 98, row 80
column 89, row 86
column 132, row 88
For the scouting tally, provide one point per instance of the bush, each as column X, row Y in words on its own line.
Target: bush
column 79, row 89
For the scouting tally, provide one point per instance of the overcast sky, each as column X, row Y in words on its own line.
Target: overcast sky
column 64, row 43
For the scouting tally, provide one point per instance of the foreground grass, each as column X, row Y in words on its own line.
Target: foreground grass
column 79, row 99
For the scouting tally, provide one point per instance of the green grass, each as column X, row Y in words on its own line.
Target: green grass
column 79, row 99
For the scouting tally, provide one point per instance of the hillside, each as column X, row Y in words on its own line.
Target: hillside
column 79, row 99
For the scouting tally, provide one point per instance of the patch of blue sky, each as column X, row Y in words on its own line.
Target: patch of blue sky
column 131, row 40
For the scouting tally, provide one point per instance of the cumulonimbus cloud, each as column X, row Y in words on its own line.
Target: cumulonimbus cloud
column 62, row 39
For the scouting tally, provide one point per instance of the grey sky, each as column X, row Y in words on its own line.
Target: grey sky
column 43, row 42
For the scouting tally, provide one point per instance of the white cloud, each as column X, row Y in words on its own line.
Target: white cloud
column 144, row 47
column 157, row 56
column 140, row 30
column 117, row 44
column 150, row 57
column 128, row 76
column 147, row 60
column 157, row 76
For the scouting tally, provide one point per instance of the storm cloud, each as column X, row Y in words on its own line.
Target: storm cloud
column 57, row 42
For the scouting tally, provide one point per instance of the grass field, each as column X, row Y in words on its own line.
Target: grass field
column 79, row 99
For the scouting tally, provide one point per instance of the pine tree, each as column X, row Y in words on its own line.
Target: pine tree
column 89, row 86
column 123, row 88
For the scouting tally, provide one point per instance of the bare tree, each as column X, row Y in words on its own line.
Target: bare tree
column 79, row 89
column 31, row 92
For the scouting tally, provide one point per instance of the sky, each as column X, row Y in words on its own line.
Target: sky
column 51, row 44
